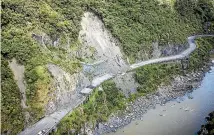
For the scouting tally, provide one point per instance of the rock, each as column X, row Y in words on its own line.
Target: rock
column 65, row 85
column 186, row 109
column 190, row 97
column 190, row 87
column 162, row 115
column 158, row 94
column 177, row 89
column 162, row 104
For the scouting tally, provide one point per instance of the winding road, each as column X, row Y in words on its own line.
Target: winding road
column 49, row 122
column 186, row 53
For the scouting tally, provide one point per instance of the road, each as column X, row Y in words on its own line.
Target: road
column 49, row 122
column 186, row 53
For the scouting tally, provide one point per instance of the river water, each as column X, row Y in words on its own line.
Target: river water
column 185, row 115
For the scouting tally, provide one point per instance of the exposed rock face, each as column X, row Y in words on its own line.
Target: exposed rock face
column 45, row 40
column 42, row 39
column 179, row 86
column 156, row 51
column 66, row 88
column 126, row 83
column 18, row 71
column 98, row 44
column 170, row 49
column 167, row 50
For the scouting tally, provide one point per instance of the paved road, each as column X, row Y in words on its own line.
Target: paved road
column 49, row 122
column 97, row 81
column 186, row 53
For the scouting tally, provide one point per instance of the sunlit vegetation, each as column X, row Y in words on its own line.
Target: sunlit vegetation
column 103, row 103
column 136, row 24
column 11, row 111
column 202, row 54
column 144, row 22
column 21, row 19
column 151, row 76
column 97, row 109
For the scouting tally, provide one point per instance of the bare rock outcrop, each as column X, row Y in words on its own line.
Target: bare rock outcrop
column 66, row 90
column 98, row 44
column 18, row 71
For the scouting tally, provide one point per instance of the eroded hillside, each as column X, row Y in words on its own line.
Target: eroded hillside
column 53, row 41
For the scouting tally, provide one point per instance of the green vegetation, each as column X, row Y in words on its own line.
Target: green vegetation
column 151, row 76
column 203, row 9
column 139, row 23
column 97, row 109
column 202, row 54
column 102, row 103
column 21, row 19
column 11, row 111
column 209, row 126
column 136, row 24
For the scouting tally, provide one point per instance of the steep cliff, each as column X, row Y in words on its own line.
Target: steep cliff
column 55, row 43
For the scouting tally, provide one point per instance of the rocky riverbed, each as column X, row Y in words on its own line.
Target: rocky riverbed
column 135, row 110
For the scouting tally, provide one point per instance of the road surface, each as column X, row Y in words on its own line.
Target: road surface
column 49, row 122
column 186, row 53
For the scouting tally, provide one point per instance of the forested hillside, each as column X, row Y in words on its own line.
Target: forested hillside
column 12, row 120
column 136, row 24
column 102, row 103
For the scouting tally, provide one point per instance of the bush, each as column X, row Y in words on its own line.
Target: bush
column 97, row 109
column 12, row 118
column 136, row 24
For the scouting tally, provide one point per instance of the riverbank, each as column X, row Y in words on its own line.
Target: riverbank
column 103, row 102
column 208, row 128
column 135, row 110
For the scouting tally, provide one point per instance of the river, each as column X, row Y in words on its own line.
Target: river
column 184, row 115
